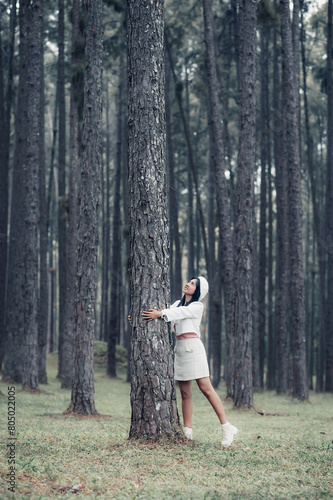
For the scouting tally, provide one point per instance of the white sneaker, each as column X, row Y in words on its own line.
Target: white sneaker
column 228, row 433
column 188, row 433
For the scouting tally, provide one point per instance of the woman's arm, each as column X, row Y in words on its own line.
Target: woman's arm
column 151, row 314
column 194, row 310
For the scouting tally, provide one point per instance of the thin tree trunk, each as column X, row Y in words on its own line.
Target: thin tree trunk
column 317, row 224
column 62, row 209
column 243, row 396
column 191, row 159
column 176, row 266
column 3, row 206
column 153, row 394
column 282, row 230
column 190, row 198
column 329, row 203
column 222, row 193
column 264, row 54
column 4, row 169
column 116, row 271
column 271, row 348
column 43, row 272
column 82, row 400
column 290, row 109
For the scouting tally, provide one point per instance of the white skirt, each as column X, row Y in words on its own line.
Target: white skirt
column 190, row 360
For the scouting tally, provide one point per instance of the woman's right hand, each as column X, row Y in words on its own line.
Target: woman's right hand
column 129, row 319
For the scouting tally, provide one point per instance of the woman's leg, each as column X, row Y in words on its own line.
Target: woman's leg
column 208, row 390
column 186, row 392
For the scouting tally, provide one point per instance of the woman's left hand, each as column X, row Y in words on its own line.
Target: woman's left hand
column 151, row 314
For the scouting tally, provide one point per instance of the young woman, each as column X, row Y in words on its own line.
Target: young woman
column 190, row 355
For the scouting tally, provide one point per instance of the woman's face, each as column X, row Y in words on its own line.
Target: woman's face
column 190, row 287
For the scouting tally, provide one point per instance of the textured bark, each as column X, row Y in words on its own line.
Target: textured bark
column 4, row 169
column 116, row 270
column 191, row 209
column 3, row 207
column 317, row 223
column 21, row 363
column 191, row 159
column 329, row 202
column 175, row 250
column 62, row 209
column 222, row 193
column 271, row 348
column 282, row 230
column 153, row 395
column 290, row 110
column 243, row 396
column 264, row 145
column 106, row 227
column 86, row 274
column 71, row 250
column 43, row 272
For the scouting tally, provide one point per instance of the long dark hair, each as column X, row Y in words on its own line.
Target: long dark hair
column 195, row 296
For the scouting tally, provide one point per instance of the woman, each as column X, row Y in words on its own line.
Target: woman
column 190, row 355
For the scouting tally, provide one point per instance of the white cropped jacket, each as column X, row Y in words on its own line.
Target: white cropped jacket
column 184, row 318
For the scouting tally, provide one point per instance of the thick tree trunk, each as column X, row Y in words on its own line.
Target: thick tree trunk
column 153, row 394
column 77, row 60
column 83, row 400
column 329, row 203
column 21, row 360
column 222, row 193
column 290, row 110
column 243, row 396
column 62, row 209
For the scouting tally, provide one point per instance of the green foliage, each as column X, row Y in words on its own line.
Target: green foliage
column 272, row 457
column 101, row 353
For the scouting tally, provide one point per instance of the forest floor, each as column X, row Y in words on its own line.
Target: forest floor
column 286, row 456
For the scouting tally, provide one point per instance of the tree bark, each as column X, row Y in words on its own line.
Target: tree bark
column 243, row 396
column 83, row 400
column 222, row 193
column 329, row 203
column 153, row 395
column 116, row 271
column 3, row 205
column 290, row 110
column 191, row 159
column 5, row 120
column 62, row 209
column 264, row 145
column 316, row 218
column 176, row 263
column 43, row 272
column 282, row 229
column 21, row 359
column 77, row 62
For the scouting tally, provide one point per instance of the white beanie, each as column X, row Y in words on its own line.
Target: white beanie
column 203, row 287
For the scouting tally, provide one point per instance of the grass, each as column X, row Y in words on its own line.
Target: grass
column 272, row 457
